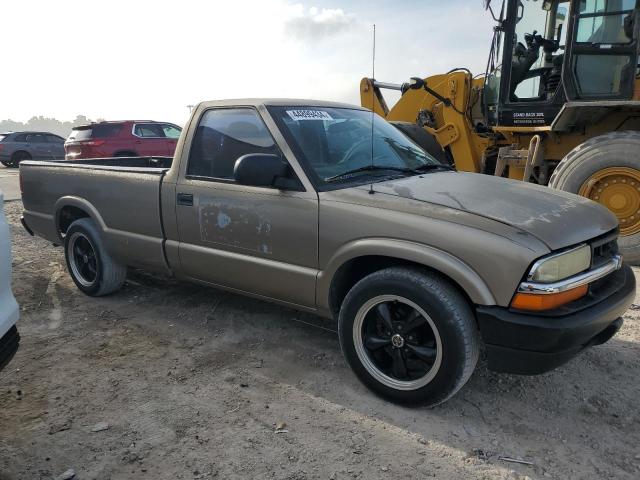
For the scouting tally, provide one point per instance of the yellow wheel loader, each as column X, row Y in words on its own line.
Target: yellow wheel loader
column 558, row 105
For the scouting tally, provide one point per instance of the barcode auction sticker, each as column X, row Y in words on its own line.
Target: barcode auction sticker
column 309, row 115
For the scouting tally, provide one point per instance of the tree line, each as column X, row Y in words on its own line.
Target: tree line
column 44, row 124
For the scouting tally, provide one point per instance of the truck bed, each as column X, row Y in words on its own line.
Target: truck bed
column 159, row 163
column 122, row 196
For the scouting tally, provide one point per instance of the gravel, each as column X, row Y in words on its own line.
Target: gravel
column 194, row 383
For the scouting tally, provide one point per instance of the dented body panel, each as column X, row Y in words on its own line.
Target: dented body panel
column 256, row 240
column 287, row 246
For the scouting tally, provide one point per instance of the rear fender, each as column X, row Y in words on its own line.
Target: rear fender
column 82, row 204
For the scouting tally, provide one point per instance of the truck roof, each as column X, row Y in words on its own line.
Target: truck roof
column 28, row 131
column 102, row 122
column 293, row 102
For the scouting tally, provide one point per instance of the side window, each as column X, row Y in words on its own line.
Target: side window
column 148, row 130
column 54, row 139
column 604, row 21
column 600, row 74
column 21, row 138
column 223, row 136
column 36, row 138
column 171, row 131
column 604, row 29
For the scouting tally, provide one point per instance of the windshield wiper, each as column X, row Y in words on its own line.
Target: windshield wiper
column 368, row 168
column 433, row 166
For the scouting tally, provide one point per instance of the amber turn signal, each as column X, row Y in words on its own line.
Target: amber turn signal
column 549, row 301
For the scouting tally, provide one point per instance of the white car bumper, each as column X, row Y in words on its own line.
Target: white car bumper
column 9, row 310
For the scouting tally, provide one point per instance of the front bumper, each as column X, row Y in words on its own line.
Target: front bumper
column 530, row 344
column 9, row 346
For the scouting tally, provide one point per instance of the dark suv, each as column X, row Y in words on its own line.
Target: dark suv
column 129, row 138
column 18, row 146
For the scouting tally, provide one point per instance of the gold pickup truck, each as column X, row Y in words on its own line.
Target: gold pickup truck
column 327, row 208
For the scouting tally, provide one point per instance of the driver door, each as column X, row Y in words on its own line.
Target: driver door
column 257, row 240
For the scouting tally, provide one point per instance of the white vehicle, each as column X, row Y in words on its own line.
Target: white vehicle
column 9, row 311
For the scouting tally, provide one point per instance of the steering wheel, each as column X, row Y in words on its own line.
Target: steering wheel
column 535, row 41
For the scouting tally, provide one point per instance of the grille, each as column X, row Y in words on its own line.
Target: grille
column 603, row 249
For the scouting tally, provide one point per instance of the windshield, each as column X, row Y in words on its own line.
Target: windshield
column 334, row 142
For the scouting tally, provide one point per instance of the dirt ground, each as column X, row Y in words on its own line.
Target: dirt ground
column 184, row 382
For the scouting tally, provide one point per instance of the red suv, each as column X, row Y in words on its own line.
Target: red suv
column 129, row 138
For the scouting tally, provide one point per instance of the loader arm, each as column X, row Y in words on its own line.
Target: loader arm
column 450, row 123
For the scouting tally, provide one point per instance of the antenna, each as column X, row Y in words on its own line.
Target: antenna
column 373, row 76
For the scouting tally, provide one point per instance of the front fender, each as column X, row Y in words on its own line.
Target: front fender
column 436, row 259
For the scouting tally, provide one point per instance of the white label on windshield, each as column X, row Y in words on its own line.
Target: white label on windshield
column 309, row 115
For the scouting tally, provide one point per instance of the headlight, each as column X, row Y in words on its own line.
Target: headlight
column 561, row 265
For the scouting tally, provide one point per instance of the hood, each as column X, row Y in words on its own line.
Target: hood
column 557, row 218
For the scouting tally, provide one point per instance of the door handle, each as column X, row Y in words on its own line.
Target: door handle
column 185, row 199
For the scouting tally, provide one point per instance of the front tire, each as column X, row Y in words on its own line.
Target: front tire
column 409, row 335
column 91, row 267
column 606, row 169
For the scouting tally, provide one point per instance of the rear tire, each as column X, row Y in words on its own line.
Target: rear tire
column 91, row 267
column 614, row 153
column 18, row 157
column 409, row 335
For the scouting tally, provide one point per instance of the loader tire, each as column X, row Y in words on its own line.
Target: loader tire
column 91, row 267
column 606, row 169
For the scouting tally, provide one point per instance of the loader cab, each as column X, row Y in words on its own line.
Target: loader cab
column 547, row 52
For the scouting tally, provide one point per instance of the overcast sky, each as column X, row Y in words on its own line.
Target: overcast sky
column 149, row 59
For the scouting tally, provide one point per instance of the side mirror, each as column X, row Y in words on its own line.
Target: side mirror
column 259, row 170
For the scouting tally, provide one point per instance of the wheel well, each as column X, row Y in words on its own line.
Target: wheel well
column 68, row 215
column 357, row 268
column 14, row 154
